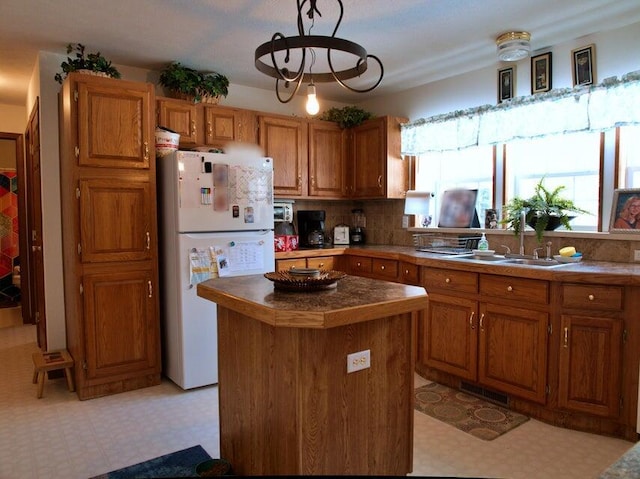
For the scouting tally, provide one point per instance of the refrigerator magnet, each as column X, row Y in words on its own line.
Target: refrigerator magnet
column 220, row 199
column 220, row 174
column 248, row 214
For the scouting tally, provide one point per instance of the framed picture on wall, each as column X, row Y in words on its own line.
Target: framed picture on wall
column 506, row 83
column 541, row 73
column 458, row 209
column 625, row 211
column 583, row 61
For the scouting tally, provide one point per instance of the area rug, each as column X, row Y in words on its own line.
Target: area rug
column 176, row 464
column 468, row 413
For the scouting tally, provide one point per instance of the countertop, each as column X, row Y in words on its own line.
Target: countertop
column 584, row 271
column 354, row 299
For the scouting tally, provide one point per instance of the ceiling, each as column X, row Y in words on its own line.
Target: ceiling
column 418, row 41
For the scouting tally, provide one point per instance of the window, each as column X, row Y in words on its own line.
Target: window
column 629, row 157
column 470, row 168
column 571, row 160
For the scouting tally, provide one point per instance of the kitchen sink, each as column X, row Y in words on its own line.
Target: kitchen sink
column 479, row 257
column 534, row 262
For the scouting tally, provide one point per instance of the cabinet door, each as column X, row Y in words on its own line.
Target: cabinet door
column 450, row 337
column 181, row 117
column 285, row 140
column 120, row 324
column 114, row 124
column 513, row 350
column 368, row 170
column 115, row 220
column 327, row 160
column 590, row 364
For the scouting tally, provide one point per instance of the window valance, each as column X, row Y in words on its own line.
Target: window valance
column 614, row 102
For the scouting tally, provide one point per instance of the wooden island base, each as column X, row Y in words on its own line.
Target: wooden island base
column 288, row 405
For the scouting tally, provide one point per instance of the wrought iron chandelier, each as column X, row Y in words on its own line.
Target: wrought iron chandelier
column 306, row 44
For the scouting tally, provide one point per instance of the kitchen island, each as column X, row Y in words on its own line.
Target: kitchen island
column 287, row 403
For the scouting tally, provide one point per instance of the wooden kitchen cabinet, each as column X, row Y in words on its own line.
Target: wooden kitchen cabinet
column 319, row 262
column 472, row 331
column 180, row 116
column 409, row 273
column 591, row 346
column 377, row 169
column 223, row 125
column 327, row 160
column 108, row 195
column 285, row 140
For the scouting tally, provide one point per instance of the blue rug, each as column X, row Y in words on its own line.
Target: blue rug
column 176, row 464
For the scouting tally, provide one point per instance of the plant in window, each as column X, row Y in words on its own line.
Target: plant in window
column 545, row 211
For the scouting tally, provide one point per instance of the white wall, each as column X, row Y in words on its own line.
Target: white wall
column 13, row 118
column 616, row 54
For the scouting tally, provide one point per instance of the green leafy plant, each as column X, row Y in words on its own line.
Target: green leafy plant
column 94, row 62
column 347, row 116
column 193, row 83
column 542, row 209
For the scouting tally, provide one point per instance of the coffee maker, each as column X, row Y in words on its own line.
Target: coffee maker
column 311, row 228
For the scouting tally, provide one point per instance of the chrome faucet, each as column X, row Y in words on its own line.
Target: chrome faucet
column 523, row 222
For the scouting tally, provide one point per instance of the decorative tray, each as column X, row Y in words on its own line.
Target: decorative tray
column 284, row 280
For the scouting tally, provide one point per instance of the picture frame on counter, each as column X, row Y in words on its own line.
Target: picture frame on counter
column 506, row 83
column 541, row 73
column 625, row 211
column 583, row 61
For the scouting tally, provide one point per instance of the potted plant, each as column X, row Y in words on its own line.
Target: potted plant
column 347, row 116
column 190, row 84
column 93, row 63
column 544, row 211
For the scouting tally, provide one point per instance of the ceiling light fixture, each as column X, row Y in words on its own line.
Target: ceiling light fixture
column 281, row 48
column 513, row 46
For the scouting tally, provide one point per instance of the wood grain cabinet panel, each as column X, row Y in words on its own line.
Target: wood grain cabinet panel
column 287, row 264
column 360, row 265
column 449, row 340
column 114, row 125
column 515, row 289
column 449, row 280
column 385, row 269
column 409, row 273
column 181, row 117
column 592, row 296
column 327, row 160
column 321, row 262
column 513, row 350
column 590, row 364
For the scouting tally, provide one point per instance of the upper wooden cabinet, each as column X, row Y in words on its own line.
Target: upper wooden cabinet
column 180, row 116
column 114, row 125
column 327, row 160
column 207, row 125
column 377, row 169
column 285, row 140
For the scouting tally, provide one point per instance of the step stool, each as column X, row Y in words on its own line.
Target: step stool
column 52, row 361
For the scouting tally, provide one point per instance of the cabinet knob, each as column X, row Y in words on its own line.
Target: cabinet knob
column 406, row 271
column 471, row 320
column 509, row 288
column 447, row 280
column 146, row 150
column 382, row 267
column 379, row 181
column 591, row 297
column 193, row 127
column 482, row 322
column 321, row 265
column 566, row 337
column 358, row 264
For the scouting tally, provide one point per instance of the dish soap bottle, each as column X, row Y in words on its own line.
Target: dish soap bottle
column 483, row 244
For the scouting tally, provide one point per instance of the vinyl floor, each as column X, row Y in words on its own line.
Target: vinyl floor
column 59, row 436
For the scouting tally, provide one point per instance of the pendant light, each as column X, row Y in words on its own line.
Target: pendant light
column 313, row 107
column 304, row 43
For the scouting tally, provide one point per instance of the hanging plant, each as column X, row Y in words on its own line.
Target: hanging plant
column 346, row 117
column 190, row 84
column 92, row 62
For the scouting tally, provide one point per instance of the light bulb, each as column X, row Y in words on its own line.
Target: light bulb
column 313, row 107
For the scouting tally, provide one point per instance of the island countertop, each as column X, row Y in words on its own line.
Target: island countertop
column 354, row 299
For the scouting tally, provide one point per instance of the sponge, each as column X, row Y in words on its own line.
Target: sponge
column 567, row 251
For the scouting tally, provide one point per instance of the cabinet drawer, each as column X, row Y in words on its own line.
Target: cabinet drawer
column 287, row 264
column 385, row 268
column 358, row 264
column 591, row 296
column 409, row 273
column 519, row 289
column 445, row 279
column 321, row 262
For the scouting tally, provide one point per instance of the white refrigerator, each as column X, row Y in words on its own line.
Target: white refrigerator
column 216, row 220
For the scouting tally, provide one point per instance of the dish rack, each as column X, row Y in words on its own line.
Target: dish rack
column 437, row 243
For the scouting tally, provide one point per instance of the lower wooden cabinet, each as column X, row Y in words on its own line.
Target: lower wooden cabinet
column 320, row 262
column 590, row 364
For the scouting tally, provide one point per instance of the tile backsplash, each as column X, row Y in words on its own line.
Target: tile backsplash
column 384, row 226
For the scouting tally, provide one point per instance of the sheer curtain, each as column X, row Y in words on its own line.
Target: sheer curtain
column 614, row 102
